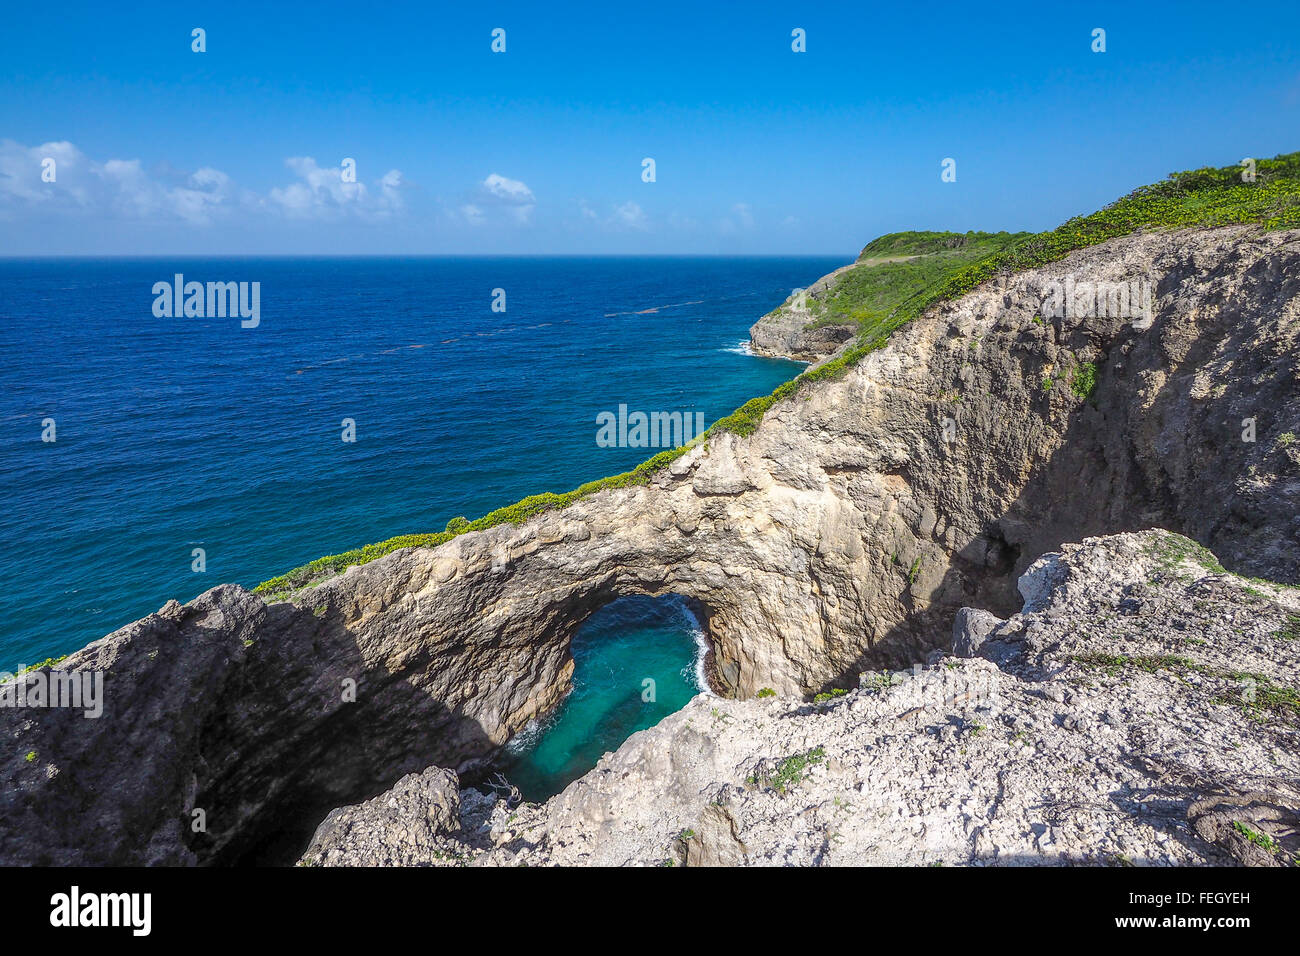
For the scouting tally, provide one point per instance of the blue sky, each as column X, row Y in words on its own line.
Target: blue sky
column 758, row 149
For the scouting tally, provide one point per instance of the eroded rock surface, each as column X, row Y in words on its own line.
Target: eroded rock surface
column 1145, row 684
column 398, row 828
column 226, row 721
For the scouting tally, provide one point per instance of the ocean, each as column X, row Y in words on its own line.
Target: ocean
column 180, row 438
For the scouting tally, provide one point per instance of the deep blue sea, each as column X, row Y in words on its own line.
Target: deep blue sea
column 181, row 433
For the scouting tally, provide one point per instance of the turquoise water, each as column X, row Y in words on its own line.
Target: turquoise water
column 615, row 652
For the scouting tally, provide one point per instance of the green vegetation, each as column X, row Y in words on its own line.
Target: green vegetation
column 879, row 680
column 1290, row 630
column 766, row 692
column 31, row 756
column 918, row 243
column 1169, row 550
column 1115, row 663
column 914, row 571
column 1257, row 695
column 1083, row 380
column 1262, row 840
column 895, row 267
column 834, row 692
column 790, row 770
column 881, row 300
column 48, row 662
column 1260, row 696
column 1271, row 584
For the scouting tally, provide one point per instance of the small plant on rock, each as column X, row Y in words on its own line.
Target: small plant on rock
column 1262, row 840
column 834, row 692
column 1083, row 382
column 790, row 771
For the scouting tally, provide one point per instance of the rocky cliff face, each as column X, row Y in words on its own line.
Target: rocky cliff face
column 229, row 724
column 789, row 330
column 842, row 535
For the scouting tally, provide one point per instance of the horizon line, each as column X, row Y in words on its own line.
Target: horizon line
column 429, row 255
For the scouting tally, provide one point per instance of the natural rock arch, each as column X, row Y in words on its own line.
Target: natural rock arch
column 842, row 534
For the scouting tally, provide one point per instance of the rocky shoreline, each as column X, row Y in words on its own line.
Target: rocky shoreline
column 840, row 539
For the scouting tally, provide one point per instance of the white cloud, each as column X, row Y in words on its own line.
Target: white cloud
column 509, row 190
column 115, row 187
column 390, row 186
column 630, row 215
column 740, row 219
column 620, row 216
column 511, row 196
column 322, row 193
column 20, row 174
column 123, row 188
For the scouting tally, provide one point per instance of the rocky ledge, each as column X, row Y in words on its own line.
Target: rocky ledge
column 792, row 331
column 1141, row 709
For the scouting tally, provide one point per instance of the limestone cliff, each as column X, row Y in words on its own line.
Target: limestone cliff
column 819, row 321
column 842, row 535
column 792, row 329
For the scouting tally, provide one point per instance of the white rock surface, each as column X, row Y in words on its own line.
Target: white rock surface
column 1119, row 710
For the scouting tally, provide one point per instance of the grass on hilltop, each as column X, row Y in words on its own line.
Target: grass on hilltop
column 881, row 301
column 896, row 267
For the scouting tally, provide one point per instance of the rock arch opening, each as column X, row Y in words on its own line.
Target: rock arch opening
column 637, row 659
